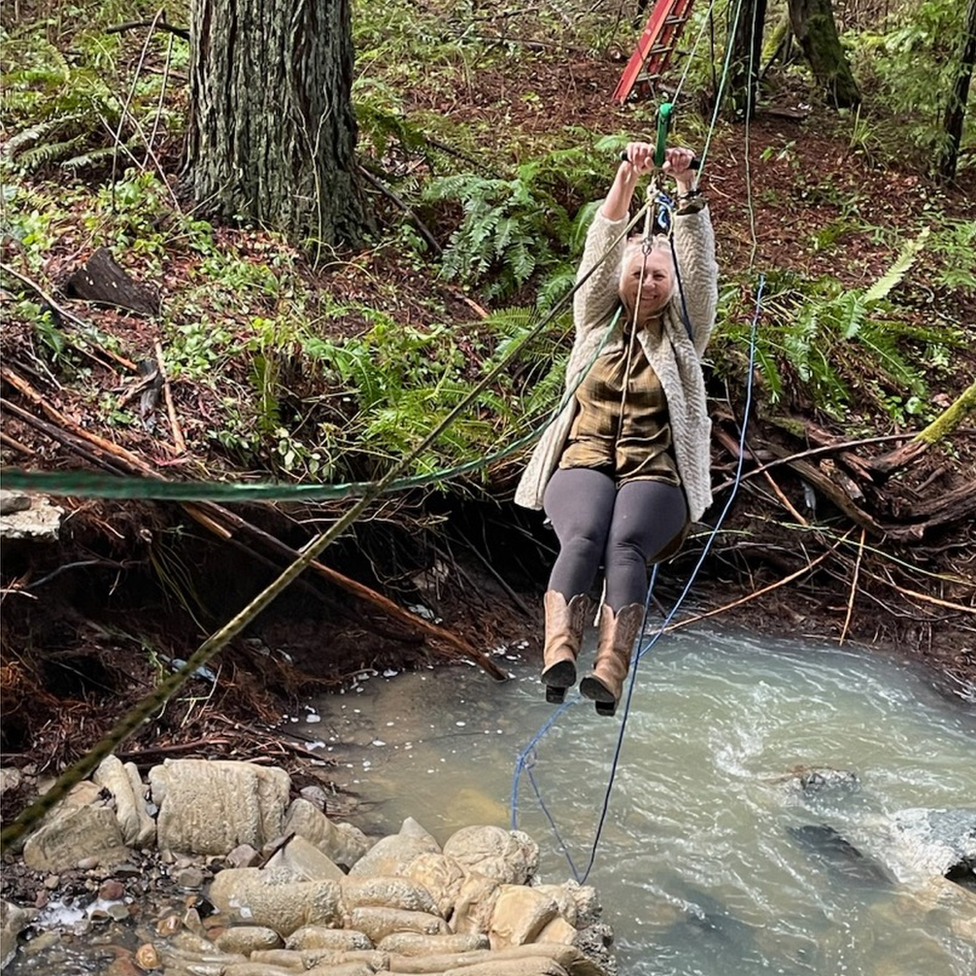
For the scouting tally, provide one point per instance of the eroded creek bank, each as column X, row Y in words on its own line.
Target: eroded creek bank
column 117, row 601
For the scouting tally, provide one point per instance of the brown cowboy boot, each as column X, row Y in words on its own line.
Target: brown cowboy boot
column 564, row 634
column 615, row 644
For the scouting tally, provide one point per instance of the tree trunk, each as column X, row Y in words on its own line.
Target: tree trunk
column 956, row 109
column 272, row 133
column 815, row 30
column 746, row 60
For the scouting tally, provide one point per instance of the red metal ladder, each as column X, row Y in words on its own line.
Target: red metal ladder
column 656, row 45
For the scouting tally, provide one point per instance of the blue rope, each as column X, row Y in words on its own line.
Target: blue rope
column 642, row 648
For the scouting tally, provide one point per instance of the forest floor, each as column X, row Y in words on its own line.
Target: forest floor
column 85, row 646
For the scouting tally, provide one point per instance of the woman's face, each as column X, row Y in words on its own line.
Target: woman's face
column 655, row 289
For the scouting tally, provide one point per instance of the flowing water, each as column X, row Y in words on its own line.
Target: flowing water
column 712, row 859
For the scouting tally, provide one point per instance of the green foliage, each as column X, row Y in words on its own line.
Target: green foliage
column 842, row 346
column 379, row 394
column 954, row 243
column 520, row 229
column 90, row 109
column 198, row 350
column 909, row 69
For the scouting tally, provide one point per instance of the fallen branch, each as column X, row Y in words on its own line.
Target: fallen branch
column 965, row 404
column 840, row 446
column 155, row 24
column 63, row 313
column 853, row 593
column 405, row 207
column 16, row 445
column 757, row 593
column 168, row 396
column 834, row 493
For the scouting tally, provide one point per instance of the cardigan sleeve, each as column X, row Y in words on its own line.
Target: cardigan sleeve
column 597, row 298
column 694, row 243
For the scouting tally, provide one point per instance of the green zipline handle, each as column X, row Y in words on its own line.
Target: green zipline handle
column 663, row 126
column 664, row 115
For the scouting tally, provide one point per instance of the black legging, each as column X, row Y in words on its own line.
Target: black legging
column 624, row 528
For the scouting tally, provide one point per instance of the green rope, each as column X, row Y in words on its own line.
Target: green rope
column 88, row 484
column 30, row 817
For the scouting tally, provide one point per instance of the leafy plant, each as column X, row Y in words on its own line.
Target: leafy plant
column 521, row 228
column 911, row 67
column 79, row 111
column 830, row 342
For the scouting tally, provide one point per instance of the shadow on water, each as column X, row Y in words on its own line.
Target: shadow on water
column 753, row 824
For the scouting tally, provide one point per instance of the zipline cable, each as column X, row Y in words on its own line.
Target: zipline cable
column 691, row 54
column 721, row 87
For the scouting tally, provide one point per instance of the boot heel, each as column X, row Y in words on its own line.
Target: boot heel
column 555, row 696
column 606, row 708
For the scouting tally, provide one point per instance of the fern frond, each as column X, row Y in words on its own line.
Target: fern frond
column 34, row 159
column 899, row 269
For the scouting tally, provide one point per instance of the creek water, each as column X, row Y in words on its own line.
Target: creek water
column 712, row 859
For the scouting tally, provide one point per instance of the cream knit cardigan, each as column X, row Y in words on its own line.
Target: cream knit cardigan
column 674, row 356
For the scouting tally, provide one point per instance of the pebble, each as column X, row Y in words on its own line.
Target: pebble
column 169, row 925
column 243, row 856
column 190, row 879
column 52, row 881
column 88, row 863
column 147, row 957
column 192, row 920
column 111, row 890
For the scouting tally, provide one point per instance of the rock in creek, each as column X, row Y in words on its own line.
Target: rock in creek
column 280, row 888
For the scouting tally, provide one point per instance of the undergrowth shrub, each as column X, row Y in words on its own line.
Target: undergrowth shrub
column 85, row 100
column 909, row 64
column 837, row 347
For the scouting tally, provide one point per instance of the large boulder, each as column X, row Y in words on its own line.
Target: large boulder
column 125, row 785
column 510, row 856
column 340, row 842
column 391, row 855
column 13, row 921
column 211, row 807
column 265, row 898
column 75, row 834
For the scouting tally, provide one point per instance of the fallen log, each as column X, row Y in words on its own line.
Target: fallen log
column 102, row 280
column 882, row 468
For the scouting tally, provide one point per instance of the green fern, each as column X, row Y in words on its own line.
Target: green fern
column 899, row 269
column 834, row 341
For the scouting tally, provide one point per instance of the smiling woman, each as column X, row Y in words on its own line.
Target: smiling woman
column 625, row 467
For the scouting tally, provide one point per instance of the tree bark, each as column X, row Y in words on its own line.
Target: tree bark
column 956, row 109
column 272, row 133
column 816, row 31
column 746, row 61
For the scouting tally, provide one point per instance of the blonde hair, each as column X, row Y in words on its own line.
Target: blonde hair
column 634, row 246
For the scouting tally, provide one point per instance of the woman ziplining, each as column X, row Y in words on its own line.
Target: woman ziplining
column 624, row 469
